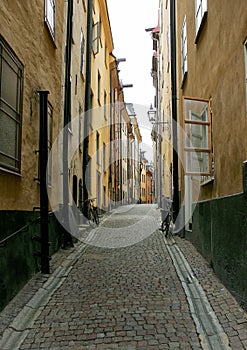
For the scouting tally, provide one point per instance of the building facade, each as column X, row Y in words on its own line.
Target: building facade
column 31, row 42
column 99, row 124
column 149, row 185
column 210, row 75
column 60, row 99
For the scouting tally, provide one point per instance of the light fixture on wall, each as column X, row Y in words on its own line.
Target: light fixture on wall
column 152, row 114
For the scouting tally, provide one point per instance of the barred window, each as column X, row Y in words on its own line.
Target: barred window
column 11, row 79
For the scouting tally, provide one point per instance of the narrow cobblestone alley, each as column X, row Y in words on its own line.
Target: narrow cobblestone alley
column 129, row 297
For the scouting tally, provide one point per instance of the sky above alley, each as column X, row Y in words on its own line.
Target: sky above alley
column 128, row 20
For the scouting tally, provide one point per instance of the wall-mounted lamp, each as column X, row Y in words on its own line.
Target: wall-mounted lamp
column 152, row 114
column 127, row 86
column 118, row 60
column 152, row 117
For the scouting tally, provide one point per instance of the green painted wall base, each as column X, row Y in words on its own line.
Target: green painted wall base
column 17, row 258
column 219, row 232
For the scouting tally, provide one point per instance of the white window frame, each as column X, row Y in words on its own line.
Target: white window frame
column 50, row 16
column 184, row 50
column 197, row 147
column 96, row 37
column 201, row 8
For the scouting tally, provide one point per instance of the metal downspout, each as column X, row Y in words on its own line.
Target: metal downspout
column 176, row 204
column 67, row 239
column 88, row 103
column 43, row 158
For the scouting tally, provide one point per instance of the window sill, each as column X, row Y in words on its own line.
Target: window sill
column 51, row 36
column 84, row 5
column 209, row 181
column 8, row 171
column 198, row 34
column 184, row 79
column 82, row 76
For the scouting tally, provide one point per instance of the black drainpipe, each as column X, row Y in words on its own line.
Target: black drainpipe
column 43, row 158
column 67, row 239
column 174, row 109
column 88, row 102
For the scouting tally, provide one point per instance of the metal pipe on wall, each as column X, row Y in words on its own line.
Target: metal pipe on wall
column 88, row 102
column 43, row 158
column 67, row 239
column 176, row 204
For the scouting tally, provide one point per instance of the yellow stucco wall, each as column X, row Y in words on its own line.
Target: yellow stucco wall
column 100, row 95
column 77, row 92
column 165, row 129
column 22, row 26
column 216, row 71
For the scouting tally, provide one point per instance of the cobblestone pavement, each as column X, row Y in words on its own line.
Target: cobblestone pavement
column 131, row 298
column 232, row 317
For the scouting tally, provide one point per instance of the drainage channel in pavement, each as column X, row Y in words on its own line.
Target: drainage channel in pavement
column 211, row 334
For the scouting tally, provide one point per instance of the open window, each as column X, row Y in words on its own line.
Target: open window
column 96, row 37
column 50, row 16
column 197, row 136
column 184, row 54
column 201, row 10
